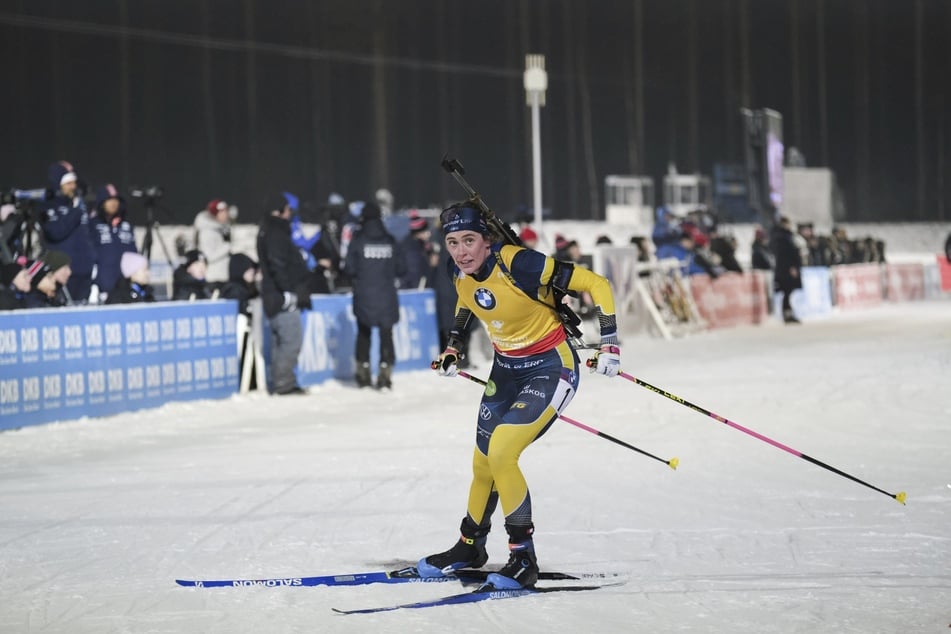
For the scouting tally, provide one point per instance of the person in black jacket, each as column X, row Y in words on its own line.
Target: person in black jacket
column 374, row 262
column 761, row 257
column 419, row 254
column 133, row 285
column 14, row 284
column 112, row 236
column 242, row 281
column 786, row 276
column 188, row 279
column 283, row 291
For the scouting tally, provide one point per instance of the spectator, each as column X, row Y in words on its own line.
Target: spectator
column 66, row 229
column 189, row 281
column 348, row 228
column 693, row 257
column 283, row 292
column 947, row 249
column 761, row 255
column 133, row 284
column 213, row 238
column 418, row 253
column 724, row 247
column 49, row 276
column 841, row 247
column 112, row 236
column 603, row 240
column 786, row 277
column 666, row 234
column 317, row 250
column 529, row 238
column 14, row 284
column 645, row 250
column 242, row 284
column 374, row 262
column 561, row 248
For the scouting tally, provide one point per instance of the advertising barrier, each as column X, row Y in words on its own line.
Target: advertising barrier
column 733, row 299
column 857, row 285
column 813, row 300
column 330, row 334
column 904, row 282
column 944, row 271
column 66, row 363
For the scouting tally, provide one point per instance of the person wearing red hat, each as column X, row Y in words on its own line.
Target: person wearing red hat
column 529, row 238
column 761, row 257
column 213, row 238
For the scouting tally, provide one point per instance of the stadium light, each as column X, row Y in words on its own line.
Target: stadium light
column 536, row 83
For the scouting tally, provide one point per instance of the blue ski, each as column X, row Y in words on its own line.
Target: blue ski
column 405, row 575
column 481, row 594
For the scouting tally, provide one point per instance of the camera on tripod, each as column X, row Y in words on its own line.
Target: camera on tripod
column 17, row 222
column 153, row 191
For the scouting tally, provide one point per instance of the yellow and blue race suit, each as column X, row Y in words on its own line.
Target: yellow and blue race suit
column 535, row 370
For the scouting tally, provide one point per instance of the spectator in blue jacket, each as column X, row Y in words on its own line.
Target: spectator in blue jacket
column 66, row 229
column 112, row 235
column 666, row 235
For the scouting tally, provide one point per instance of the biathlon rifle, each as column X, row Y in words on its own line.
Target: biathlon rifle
column 569, row 319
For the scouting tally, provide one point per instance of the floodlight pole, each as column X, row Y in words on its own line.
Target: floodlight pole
column 536, row 83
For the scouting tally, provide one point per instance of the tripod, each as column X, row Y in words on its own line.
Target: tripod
column 152, row 229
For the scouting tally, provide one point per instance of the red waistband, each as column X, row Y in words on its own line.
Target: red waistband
column 546, row 343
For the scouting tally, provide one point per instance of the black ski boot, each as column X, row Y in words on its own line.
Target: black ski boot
column 384, row 377
column 468, row 552
column 363, row 375
column 521, row 571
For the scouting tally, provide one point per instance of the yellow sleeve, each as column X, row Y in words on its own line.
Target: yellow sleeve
column 596, row 285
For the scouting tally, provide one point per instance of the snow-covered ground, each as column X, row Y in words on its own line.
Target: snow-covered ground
column 98, row 517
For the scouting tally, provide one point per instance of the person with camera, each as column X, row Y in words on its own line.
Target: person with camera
column 213, row 238
column 66, row 229
column 283, row 292
column 112, row 236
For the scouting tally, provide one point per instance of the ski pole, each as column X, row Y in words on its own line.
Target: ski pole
column 490, row 390
column 900, row 496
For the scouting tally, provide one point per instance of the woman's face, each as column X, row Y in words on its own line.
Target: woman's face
column 468, row 249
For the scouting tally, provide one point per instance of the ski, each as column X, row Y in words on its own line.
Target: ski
column 404, row 575
column 480, row 594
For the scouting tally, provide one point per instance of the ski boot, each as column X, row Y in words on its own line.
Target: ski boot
column 521, row 571
column 468, row 552
column 363, row 375
column 384, row 377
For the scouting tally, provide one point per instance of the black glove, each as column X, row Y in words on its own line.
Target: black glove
column 303, row 298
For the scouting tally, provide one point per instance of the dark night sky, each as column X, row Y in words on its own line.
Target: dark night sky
column 212, row 98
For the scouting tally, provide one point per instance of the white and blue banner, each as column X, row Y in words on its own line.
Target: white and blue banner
column 330, row 334
column 66, row 363
column 815, row 297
